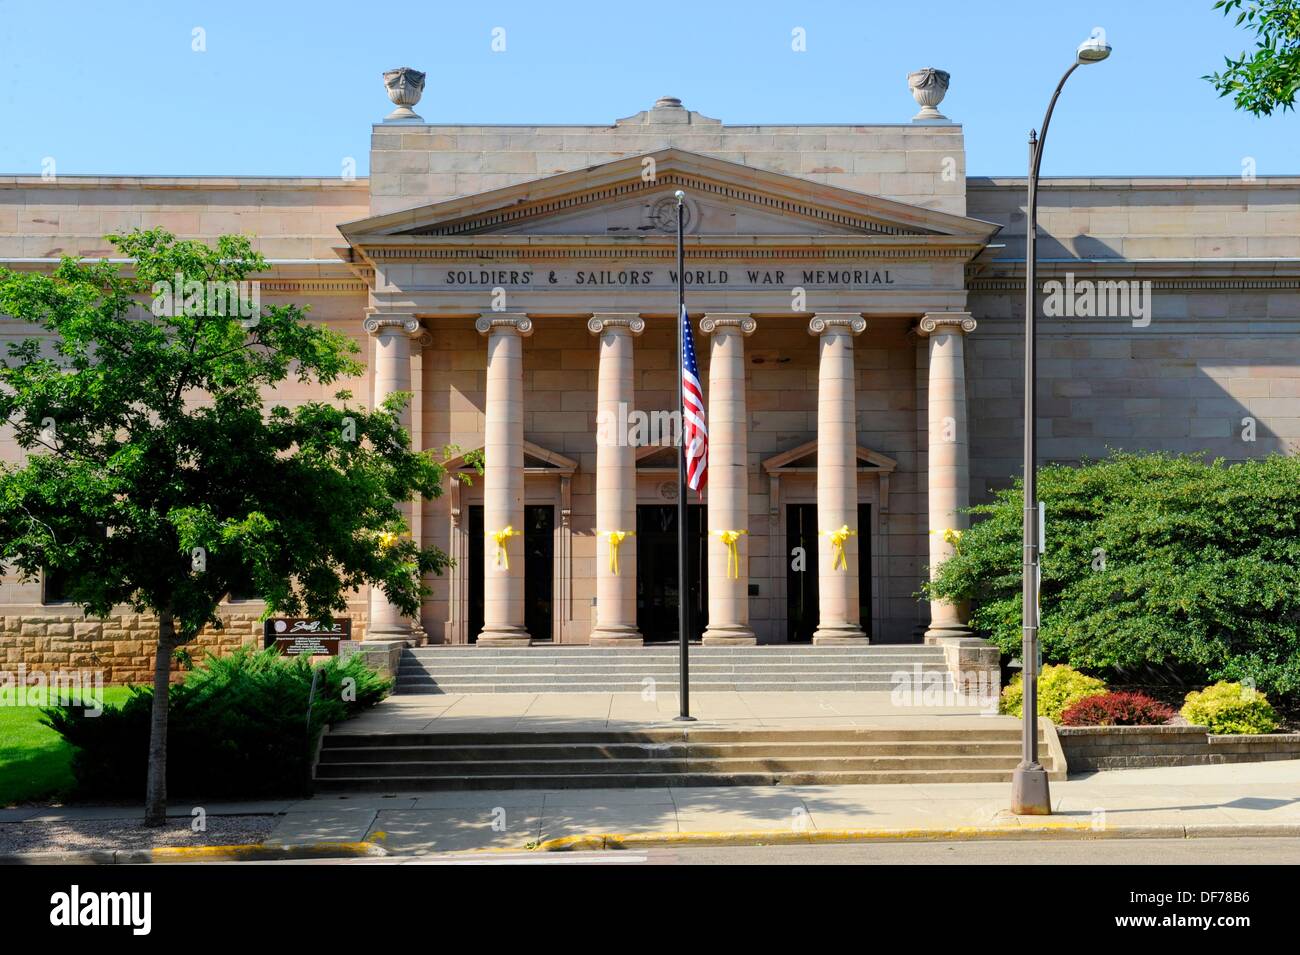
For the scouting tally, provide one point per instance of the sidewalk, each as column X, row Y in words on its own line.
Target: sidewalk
column 1241, row 799
column 1251, row 799
column 542, row 712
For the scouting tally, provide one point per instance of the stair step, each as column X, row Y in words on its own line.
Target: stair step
column 658, row 751
column 441, row 688
column 394, row 784
column 727, row 765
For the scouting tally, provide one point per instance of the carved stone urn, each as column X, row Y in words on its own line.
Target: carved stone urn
column 405, row 87
column 929, row 86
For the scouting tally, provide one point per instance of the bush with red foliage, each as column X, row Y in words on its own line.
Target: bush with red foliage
column 1117, row 709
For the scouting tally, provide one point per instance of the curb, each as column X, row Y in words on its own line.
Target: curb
column 172, row 855
column 1072, row 831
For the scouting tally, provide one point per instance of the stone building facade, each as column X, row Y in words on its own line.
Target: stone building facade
column 857, row 302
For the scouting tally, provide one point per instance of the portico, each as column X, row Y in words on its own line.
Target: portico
column 811, row 304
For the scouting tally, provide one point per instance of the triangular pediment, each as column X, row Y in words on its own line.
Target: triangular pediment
column 804, row 458
column 536, row 459
column 657, row 457
column 633, row 197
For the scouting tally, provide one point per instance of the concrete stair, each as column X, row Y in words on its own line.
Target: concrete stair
column 779, row 668
column 405, row 762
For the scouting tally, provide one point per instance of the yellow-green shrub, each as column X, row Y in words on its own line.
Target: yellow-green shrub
column 1059, row 687
column 1230, row 708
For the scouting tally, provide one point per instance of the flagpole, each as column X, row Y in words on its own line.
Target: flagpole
column 683, row 593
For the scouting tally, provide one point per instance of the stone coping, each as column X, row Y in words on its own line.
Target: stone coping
column 82, row 181
column 1137, row 182
column 1191, row 730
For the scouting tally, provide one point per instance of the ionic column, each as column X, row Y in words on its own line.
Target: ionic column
column 503, row 480
column 728, row 487
column 615, row 624
column 837, row 479
column 949, row 456
column 392, row 373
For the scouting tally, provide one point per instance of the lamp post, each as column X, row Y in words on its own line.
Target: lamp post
column 1029, row 789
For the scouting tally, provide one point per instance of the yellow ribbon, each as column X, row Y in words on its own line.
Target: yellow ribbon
column 729, row 538
column 950, row 535
column 501, row 536
column 615, row 538
column 387, row 539
column 840, row 560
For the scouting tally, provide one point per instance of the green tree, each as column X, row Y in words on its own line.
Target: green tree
column 1149, row 559
column 1268, row 78
column 156, row 478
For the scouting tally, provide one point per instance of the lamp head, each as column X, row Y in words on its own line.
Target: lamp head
column 679, row 196
column 1094, row 49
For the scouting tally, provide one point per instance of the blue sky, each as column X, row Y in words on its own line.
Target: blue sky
column 288, row 88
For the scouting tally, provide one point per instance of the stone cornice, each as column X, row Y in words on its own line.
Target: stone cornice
column 1170, row 275
column 314, row 286
column 534, row 248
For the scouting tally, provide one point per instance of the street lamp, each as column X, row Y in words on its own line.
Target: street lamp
column 1029, row 789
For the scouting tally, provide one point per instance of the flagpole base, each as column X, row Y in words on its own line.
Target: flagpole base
column 684, row 719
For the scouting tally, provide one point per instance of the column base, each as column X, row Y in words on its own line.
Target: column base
column 729, row 637
column 616, row 637
column 939, row 632
column 839, row 635
column 413, row 636
column 504, row 637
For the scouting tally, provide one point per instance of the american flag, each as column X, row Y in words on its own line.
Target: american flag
column 695, row 431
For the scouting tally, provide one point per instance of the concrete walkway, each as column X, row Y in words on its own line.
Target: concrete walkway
column 1244, row 799
column 523, row 712
column 1240, row 799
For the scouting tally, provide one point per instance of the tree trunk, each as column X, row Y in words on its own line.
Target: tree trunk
column 155, row 805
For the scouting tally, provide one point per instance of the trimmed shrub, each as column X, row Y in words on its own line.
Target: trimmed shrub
column 238, row 727
column 1117, row 709
column 1058, row 687
column 1230, row 708
column 1151, row 559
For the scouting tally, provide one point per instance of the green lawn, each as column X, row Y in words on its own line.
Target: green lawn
column 35, row 763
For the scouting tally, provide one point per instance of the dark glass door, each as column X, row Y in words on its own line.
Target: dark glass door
column 656, row 571
column 801, row 584
column 801, row 572
column 539, row 570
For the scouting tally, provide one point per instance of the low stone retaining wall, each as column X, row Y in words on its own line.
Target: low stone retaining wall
column 120, row 648
column 1090, row 748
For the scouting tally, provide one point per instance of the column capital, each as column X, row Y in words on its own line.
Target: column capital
column 852, row 322
column 947, row 321
column 517, row 322
column 377, row 323
column 603, row 321
column 743, row 321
